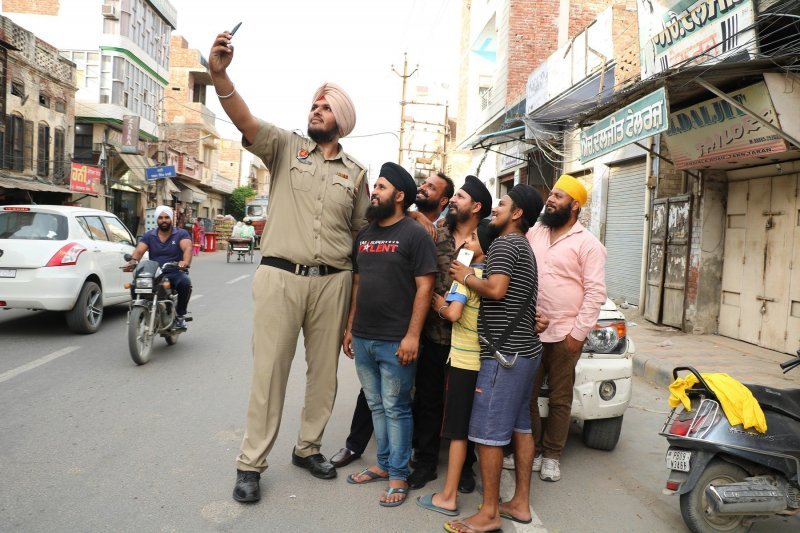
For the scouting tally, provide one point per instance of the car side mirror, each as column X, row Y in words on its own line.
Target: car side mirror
column 127, row 257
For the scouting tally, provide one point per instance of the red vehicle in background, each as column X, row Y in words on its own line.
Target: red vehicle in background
column 256, row 211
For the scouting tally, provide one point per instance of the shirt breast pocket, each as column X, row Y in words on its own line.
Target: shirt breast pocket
column 342, row 191
column 302, row 174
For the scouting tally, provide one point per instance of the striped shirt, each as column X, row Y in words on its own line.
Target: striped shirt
column 512, row 256
column 464, row 346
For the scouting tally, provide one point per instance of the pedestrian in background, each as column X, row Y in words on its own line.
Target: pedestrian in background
column 510, row 351
column 572, row 289
column 394, row 261
column 318, row 202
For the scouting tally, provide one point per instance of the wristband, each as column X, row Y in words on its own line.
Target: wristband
column 223, row 97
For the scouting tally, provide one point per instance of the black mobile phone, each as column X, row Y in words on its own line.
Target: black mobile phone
column 233, row 31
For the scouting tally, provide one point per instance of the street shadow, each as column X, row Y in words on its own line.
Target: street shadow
column 48, row 324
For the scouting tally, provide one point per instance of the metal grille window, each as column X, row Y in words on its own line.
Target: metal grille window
column 43, row 151
column 13, row 146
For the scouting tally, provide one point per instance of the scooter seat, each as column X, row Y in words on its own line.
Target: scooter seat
column 786, row 401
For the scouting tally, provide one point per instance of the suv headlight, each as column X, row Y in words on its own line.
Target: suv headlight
column 606, row 337
column 144, row 283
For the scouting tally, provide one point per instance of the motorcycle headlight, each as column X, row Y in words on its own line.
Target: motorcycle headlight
column 606, row 338
column 144, row 283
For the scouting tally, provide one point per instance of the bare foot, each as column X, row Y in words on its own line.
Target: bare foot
column 468, row 526
column 515, row 513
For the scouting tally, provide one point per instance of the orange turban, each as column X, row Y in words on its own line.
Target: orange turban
column 572, row 187
column 342, row 106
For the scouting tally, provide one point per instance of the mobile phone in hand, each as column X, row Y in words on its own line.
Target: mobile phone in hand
column 235, row 29
column 465, row 256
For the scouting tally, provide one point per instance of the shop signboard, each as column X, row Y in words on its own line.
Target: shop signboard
column 634, row 122
column 83, row 177
column 713, row 132
column 130, row 134
column 676, row 33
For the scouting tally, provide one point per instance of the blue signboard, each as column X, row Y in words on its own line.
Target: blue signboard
column 156, row 173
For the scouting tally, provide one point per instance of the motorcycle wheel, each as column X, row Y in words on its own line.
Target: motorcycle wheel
column 140, row 341
column 695, row 508
column 171, row 339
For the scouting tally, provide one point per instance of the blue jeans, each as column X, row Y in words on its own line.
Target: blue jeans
column 387, row 386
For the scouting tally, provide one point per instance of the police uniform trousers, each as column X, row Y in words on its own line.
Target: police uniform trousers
column 283, row 304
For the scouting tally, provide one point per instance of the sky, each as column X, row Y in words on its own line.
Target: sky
column 284, row 50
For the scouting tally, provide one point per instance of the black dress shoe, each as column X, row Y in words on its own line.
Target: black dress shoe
column 421, row 476
column 466, row 483
column 344, row 457
column 316, row 464
column 247, row 489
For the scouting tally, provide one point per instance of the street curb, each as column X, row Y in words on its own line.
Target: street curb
column 653, row 370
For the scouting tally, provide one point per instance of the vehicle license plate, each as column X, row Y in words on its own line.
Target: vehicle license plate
column 144, row 291
column 8, row 272
column 677, row 460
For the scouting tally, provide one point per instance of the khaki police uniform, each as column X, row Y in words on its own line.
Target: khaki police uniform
column 315, row 205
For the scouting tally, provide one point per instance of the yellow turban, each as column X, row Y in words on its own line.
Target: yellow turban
column 342, row 106
column 573, row 187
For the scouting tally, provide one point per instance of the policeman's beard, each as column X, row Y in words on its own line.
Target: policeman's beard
column 322, row 136
column 381, row 210
column 557, row 218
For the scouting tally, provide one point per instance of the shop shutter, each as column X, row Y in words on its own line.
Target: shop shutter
column 625, row 230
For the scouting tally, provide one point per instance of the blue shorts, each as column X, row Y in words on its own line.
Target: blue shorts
column 502, row 401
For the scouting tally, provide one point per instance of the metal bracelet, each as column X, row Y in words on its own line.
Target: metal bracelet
column 223, row 97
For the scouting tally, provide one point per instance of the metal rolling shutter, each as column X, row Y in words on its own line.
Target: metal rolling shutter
column 625, row 231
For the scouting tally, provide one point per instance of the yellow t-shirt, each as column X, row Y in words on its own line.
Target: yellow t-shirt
column 465, row 349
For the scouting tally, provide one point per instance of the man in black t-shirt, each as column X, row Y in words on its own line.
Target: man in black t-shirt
column 394, row 262
column 510, row 350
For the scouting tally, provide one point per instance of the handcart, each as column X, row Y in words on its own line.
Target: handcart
column 242, row 247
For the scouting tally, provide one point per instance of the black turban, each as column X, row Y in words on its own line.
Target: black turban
column 479, row 193
column 401, row 180
column 526, row 198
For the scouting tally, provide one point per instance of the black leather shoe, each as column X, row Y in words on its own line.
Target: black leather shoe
column 316, row 464
column 466, row 483
column 344, row 457
column 421, row 476
column 247, row 489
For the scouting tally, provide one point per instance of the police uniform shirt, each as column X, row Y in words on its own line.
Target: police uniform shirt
column 315, row 203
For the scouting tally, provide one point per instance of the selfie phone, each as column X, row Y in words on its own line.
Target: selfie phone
column 233, row 31
column 465, row 256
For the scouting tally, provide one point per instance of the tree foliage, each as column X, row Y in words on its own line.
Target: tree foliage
column 238, row 199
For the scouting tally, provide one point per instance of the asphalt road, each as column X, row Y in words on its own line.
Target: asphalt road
column 91, row 442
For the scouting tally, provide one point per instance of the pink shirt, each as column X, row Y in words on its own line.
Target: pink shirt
column 572, row 280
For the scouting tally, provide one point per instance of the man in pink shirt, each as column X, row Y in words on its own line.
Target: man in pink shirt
column 571, row 269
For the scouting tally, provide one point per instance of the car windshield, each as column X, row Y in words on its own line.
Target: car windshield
column 32, row 226
column 255, row 210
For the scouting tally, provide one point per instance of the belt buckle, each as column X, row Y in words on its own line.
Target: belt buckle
column 313, row 271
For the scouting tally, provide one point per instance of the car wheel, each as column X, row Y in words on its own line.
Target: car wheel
column 695, row 508
column 87, row 314
column 603, row 433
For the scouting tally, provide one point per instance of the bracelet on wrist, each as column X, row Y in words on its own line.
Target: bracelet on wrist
column 223, row 97
column 467, row 276
column 439, row 312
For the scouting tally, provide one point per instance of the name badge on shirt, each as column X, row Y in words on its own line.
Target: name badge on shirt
column 343, row 175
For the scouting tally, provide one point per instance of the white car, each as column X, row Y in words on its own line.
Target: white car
column 603, row 378
column 61, row 258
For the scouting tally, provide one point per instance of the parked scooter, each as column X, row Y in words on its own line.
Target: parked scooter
column 727, row 476
column 153, row 310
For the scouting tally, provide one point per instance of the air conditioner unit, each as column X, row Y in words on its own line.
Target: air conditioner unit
column 110, row 12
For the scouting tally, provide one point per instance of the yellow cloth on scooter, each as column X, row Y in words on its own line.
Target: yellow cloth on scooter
column 738, row 403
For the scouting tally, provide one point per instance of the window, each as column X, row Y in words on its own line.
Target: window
column 59, row 154
column 44, row 100
column 43, row 151
column 13, row 148
column 61, row 105
column 118, row 232
column 33, row 226
column 83, row 144
column 93, row 226
column 199, row 93
column 18, row 89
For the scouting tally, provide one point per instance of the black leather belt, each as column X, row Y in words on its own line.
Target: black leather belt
column 300, row 270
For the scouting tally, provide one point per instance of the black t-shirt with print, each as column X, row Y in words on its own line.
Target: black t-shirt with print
column 511, row 255
column 387, row 259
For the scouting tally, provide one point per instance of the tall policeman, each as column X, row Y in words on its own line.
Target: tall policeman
column 318, row 201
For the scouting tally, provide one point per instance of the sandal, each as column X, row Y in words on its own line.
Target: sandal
column 371, row 476
column 395, row 490
column 462, row 526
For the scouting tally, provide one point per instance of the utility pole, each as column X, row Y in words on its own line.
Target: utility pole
column 405, row 75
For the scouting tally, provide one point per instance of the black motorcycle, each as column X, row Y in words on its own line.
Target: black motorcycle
column 152, row 311
column 727, row 476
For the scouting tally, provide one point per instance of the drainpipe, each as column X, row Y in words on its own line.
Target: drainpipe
column 650, row 162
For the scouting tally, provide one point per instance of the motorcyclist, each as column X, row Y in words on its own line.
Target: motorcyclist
column 167, row 243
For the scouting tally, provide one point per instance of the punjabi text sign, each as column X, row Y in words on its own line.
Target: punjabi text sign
column 83, row 177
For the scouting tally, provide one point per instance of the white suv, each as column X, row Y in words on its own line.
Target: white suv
column 61, row 258
column 602, row 380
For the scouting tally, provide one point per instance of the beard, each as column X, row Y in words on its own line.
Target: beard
column 426, row 205
column 381, row 210
column 454, row 217
column 557, row 218
column 321, row 136
column 165, row 226
column 493, row 231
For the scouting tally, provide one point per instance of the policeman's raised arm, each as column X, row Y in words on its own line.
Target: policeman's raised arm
column 232, row 102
